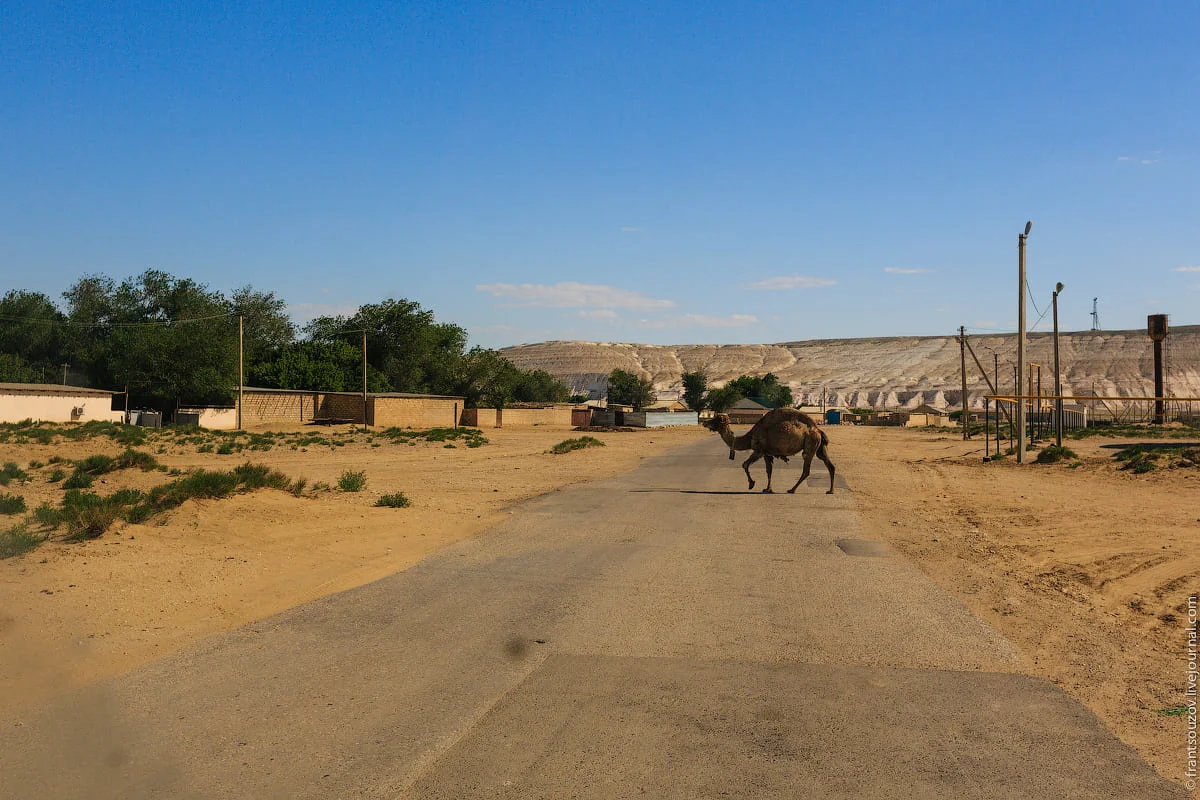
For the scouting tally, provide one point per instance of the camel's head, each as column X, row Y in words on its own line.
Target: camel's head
column 720, row 424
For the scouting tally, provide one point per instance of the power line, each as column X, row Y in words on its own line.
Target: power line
column 69, row 323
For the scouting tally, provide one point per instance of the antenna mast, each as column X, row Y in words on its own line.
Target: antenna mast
column 1095, row 315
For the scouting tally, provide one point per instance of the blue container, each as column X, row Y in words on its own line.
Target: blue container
column 833, row 417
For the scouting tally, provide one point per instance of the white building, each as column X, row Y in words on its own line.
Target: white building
column 49, row 402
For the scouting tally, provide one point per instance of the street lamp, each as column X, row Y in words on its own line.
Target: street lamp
column 1021, row 340
column 1058, row 403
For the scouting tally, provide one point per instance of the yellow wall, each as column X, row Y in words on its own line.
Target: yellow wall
column 16, row 407
column 414, row 412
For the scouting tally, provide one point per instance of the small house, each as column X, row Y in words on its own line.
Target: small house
column 748, row 411
column 51, row 402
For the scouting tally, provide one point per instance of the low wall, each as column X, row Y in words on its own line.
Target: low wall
column 215, row 419
column 642, row 419
column 261, row 408
column 555, row 417
column 47, row 407
column 415, row 412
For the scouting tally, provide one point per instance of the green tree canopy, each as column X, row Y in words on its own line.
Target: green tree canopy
column 695, row 386
column 32, row 336
column 765, row 387
column 628, row 388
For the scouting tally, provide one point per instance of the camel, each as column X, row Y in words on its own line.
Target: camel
column 780, row 433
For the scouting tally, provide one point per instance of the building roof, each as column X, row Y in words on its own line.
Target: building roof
column 925, row 408
column 52, row 388
column 751, row 404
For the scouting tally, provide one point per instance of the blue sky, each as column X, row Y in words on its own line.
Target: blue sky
column 690, row 172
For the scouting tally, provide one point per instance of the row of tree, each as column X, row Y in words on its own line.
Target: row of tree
column 628, row 388
column 174, row 341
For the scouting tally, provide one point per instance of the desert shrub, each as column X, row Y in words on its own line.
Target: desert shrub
column 11, row 472
column 202, row 484
column 1138, row 460
column 47, row 515
column 88, row 515
column 320, row 486
column 18, row 540
column 567, row 445
column 79, row 480
column 96, row 465
column 351, row 481
column 260, row 476
column 204, row 448
column 1053, row 454
column 298, row 486
column 57, row 475
column 59, row 460
column 36, row 465
column 226, row 449
column 396, row 500
column 11, row 503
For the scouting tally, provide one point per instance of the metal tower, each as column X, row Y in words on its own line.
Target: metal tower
column 1095, row 315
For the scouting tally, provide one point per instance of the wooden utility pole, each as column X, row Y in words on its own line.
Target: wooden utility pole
column 1058, row 403
column 1021, row 338
column 962, row 357
column 241, row 371
column 364, row 380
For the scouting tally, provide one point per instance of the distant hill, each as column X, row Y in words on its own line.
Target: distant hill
column 885, row 372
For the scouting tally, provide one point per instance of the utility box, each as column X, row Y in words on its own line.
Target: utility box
column 150, row 419
column 188, row 418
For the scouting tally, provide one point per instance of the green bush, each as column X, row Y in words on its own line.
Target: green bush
column 36, row 465
column 351, row 481
column 96, row 465
column 57, row 475
column 567, row 445
column 17, row 540
column 11, row 472
column 1053, row 454
column 396, row 500
column 47, row 515
column 79, row 480
column 11, row 503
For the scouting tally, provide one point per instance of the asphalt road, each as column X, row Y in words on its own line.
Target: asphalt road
column 661, row 634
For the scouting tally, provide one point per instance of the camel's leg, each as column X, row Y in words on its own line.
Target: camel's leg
column 770, row 462
column 755, row 456
column 824, row 456
column 809, row 452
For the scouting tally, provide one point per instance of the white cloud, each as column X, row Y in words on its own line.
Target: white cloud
column 705, row 321
column 902, row 271
column 599, row 313
column 791, row 282
column 573, row 295
column 1186, row 269
column 1149, row 160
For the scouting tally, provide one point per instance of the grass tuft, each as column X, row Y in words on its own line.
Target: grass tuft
column 351, row 481
column 1053, row 454
column 18, row 540
column 396, row 500
column 11, row 472
column 11, row 503
column 567, row 445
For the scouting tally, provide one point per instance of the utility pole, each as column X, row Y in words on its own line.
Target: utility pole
column 364, row 380
column 241, row 371
column 64, row 366
column 1058, row 403
column 1021, row 338
column 962, row 358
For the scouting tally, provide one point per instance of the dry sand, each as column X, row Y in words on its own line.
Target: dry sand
column 74, row 613
column 1086, row 570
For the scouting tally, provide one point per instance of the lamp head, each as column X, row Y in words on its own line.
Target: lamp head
column 1028, row 227
column 1058, row 287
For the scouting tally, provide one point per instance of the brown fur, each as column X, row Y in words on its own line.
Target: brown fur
column 780, row 433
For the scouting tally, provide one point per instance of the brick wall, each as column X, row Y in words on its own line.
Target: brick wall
column 261, row 408
column 343, row 406
column 414, row 412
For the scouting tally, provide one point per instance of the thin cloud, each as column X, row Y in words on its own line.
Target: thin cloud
column 1186, row 269
column 903, row 271
column 791, row 282
column 598, row 313
column 705, row 321
column 573, row 295
column 1149, row 160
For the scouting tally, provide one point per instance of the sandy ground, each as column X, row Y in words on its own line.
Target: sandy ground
column 1087, row 570
column 73, row 613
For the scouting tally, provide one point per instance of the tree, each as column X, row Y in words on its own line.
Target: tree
column 404, row 342
column 766, row 387
column 627, row 388
column 539, row 386
column 319, row 366
column 695, row 385
column 265, row 320
column 721, row 400
column 32, row 336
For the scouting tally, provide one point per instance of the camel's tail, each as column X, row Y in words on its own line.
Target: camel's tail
column 824, row 438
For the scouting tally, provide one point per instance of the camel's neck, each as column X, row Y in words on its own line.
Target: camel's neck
column 735, row 442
